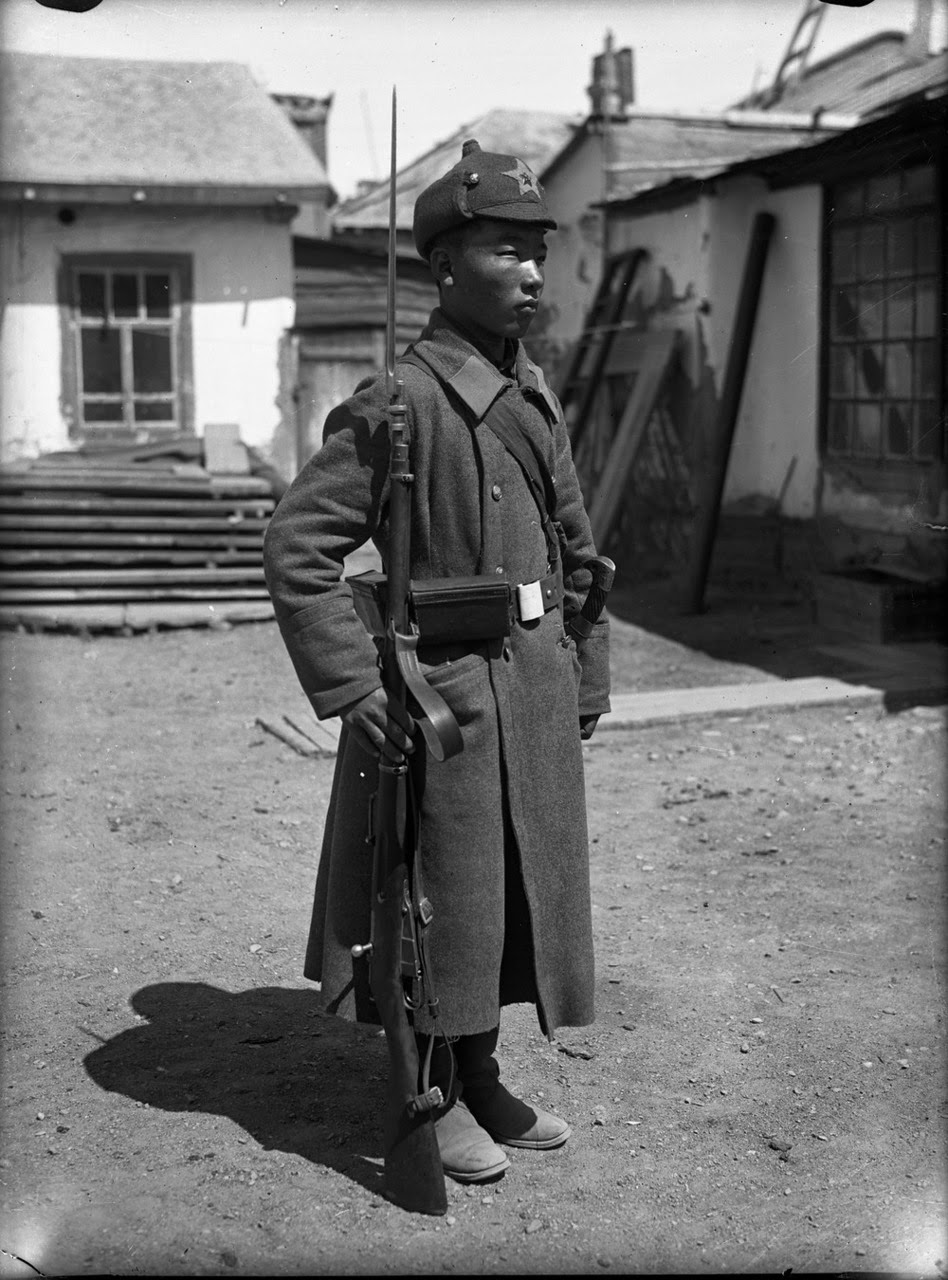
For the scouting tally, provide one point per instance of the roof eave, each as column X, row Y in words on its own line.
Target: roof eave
column 146, row 193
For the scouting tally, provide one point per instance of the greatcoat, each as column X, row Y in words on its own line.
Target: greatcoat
column 504, row 848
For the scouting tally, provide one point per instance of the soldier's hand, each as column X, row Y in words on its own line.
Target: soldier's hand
column 380, row 725
column 587, row 726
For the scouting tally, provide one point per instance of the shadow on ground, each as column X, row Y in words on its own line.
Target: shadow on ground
column 295, row 1079
column 773, row 627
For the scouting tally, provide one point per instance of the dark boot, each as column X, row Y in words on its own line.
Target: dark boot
column 503, row 1116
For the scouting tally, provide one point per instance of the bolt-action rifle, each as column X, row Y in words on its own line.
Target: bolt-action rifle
column 398, row 975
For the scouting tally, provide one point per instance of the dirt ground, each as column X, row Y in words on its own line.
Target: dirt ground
column 764, row 1088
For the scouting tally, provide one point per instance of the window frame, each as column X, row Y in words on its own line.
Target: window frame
column 887, row 472
column 108, row 433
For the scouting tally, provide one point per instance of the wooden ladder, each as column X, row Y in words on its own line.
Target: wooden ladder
column 583, row 375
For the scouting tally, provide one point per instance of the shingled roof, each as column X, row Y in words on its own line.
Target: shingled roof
column 534, row 136
column 202, row 127
column 871, row 76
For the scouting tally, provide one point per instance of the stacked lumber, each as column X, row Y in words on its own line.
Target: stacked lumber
column 112, row 530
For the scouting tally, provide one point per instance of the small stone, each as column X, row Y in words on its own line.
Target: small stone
column 451, row 1220
column 534, row 1225
column 256, row 947
column 903, row 1063
column 745, row 1047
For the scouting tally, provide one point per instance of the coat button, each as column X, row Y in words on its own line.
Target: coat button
column 499, row 569
column 496, row 492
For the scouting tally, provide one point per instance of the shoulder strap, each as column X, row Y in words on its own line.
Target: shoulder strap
column 502, row 419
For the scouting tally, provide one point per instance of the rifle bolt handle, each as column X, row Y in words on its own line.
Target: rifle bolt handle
column 360, row 949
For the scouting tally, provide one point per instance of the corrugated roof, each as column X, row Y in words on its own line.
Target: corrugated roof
column 865, row 78
column 534, row 136
column 105, row 121
column 651, row 148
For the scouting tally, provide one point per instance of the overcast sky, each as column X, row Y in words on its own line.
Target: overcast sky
column 454, row 59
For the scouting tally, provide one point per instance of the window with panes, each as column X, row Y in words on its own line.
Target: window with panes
column 883, row 377
column 126, row 318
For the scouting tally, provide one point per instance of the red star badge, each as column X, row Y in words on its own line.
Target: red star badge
column 524, row 177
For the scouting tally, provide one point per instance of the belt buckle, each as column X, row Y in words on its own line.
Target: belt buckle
column 530, row 601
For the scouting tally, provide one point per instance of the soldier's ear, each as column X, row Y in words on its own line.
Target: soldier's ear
column 440, row 263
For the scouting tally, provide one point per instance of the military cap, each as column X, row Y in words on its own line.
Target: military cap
column 482, row 184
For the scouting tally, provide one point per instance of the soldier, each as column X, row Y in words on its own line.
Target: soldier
column 503, row 843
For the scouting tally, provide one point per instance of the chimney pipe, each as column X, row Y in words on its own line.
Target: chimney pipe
column 918, row 41
column 309, row 115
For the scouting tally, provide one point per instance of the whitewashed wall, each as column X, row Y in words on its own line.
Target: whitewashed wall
column 243, row 304
column 692, row 282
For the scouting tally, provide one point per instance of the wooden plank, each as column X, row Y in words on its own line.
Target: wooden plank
column 25, row 558
column 223, row 452
column 79, row 482
column 657, row 355
column 53, row 617
column 212, row 506
column 54, row 595
column 144, row 481
column 31, row 530
column 128, row 577
column 71, row 539
column 140, row 616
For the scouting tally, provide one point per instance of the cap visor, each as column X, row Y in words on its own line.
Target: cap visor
column 518, row 212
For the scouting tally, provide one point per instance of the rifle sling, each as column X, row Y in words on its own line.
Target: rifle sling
column 437, row 723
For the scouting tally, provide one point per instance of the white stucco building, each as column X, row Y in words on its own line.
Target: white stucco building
column 147, row 263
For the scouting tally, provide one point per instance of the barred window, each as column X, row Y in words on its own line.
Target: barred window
column 883, row 375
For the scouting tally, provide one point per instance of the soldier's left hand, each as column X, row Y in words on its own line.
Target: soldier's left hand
column 587, row 726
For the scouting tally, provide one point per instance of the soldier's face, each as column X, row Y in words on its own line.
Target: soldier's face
column 492, row 277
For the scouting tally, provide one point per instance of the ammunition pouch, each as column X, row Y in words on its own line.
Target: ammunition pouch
column 472, row 609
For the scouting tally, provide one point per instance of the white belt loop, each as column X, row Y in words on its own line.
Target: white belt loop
column 530, row 602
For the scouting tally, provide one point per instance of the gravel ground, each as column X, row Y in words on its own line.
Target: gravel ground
column 764, row 1087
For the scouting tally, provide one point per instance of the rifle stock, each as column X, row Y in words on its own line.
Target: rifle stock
column 414, row 1178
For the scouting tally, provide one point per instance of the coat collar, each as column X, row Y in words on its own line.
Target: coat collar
column 471, row 375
